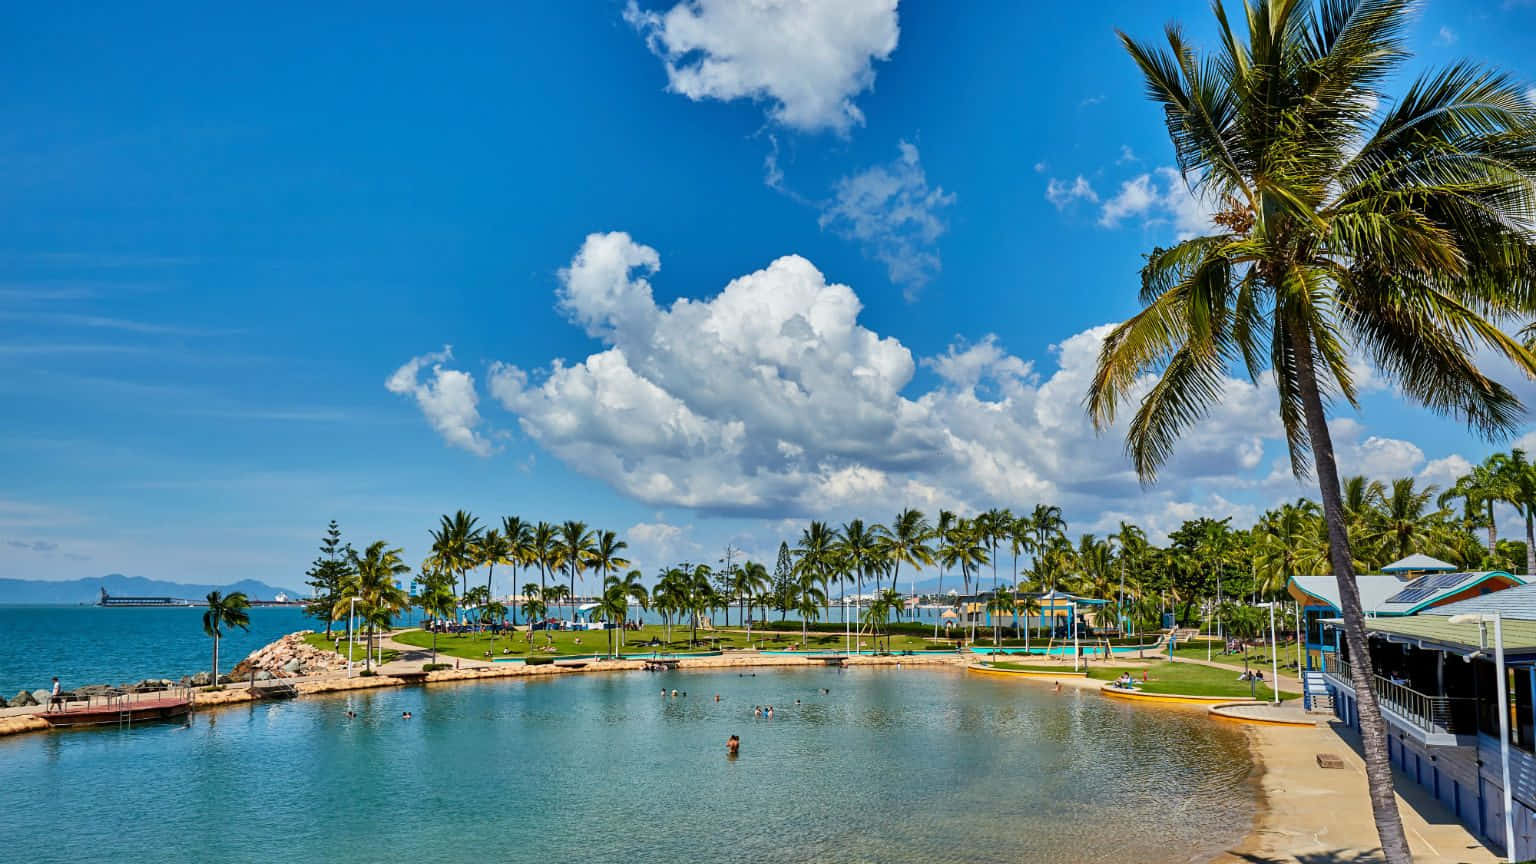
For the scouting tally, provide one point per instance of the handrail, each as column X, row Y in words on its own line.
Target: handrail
column 1436, row 714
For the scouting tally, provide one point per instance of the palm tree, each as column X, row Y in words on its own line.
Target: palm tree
column 604, row 558
column 995, row 526
column 700, row 596
column 494, row 549
column 543, row 550
column 1046, row 522
column 859, row 549
column 1404, row 230
column 1516, row 484
column 670, row 596
column 373, row 584
column 1020, row 539
column 1478, row 492
column 1280, row 538
column 749, row 581
column 1001, row 604
column 519, row 536
column 906, row 542
column 436, row 600
column 454, row 545
column 634, row 589
column 941, row 532
column 612, row 607
column 534, row 609
column 224, row 610
column 878, row 615
column 576, row 545
column 810, row 599
column 554, row 595
column 963, row 548
column 1401, row 526
column 816, row 554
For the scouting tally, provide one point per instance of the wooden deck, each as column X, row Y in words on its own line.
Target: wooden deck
column 125, row 713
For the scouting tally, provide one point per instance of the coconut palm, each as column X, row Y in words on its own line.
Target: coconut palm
column 1280, row 538
column 454, row 546
column 994, row 526
column 816, row 554
column 543, row 550
column 374, row 573
column 612, row 607
column 999, row 606
column 670, row 596
column 634, row 590
column 941, row 531
column 1516, row 484
column 699, row 596
column 810, row 599
column 534, row 609
column 1403, row 231
column 1478, row 491
column 747, row 582
column 576, row 547
column 906, row 542
column 1402, row 524
column 605, row 559
column 224, row 610
column 494, row 549
column 436, row 600
column 1045, row 522
column 964, row 548
column 858, row 550
column 519, row 536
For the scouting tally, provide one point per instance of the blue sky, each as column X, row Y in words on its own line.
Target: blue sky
column 228, row 233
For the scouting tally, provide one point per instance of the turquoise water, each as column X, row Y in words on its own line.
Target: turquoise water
column 891, row 765
column 88, row 645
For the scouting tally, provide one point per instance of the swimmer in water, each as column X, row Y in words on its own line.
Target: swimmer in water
column 405, row 715
column 717, row 697
column 732, row 745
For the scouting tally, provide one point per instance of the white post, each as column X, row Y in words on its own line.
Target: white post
column 1072, row 607
column 847, row 633
column 1300, row 643
column 1274, row 655
column 1509, row 814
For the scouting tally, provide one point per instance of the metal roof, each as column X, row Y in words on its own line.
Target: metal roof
column 1515, row 604
column 1418, row 563
column 1386, row 594
column 1519, row 635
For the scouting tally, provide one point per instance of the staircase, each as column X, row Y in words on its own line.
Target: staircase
column 1315, row 693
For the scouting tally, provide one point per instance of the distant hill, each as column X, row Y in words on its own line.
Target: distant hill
column 89, row 590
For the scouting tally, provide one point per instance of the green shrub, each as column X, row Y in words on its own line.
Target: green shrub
column 435, row 667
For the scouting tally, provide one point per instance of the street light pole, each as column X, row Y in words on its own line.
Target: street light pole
column 1503, row 697
column 1274, row 655
column 351, row 632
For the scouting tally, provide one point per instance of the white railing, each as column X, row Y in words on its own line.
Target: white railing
column 1439, row 714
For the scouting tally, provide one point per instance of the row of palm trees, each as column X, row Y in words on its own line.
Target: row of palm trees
column 461, row 544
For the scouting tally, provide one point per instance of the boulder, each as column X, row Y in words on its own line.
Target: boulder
column 94, row 690
column 201, row 679
column 293, row 667
column 263, row 675
column 23, row 699
column 3, row 703
column 40, row 697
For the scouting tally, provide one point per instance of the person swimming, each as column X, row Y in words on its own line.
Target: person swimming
column 732, row 745
column 405, row 715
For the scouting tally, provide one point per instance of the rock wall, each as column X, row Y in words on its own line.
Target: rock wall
column 288, row 657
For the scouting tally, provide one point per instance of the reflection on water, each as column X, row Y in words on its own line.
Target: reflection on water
column 890, row 765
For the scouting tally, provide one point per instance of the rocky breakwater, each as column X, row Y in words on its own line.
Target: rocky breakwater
column 288, row 657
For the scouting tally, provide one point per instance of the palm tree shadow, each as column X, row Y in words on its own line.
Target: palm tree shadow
column 1338, row 856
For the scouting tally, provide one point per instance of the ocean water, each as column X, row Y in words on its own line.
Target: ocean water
column 90, row 645
column 913, row 765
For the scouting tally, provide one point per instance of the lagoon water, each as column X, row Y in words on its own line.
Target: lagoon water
column 913, row 765
column 90, row 645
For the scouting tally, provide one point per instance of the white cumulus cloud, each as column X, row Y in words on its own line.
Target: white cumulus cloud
column 892, row 212
column 1158, row 197
column 1061, row 192
column 447, row 399
column 806, row 59
column 769, row 398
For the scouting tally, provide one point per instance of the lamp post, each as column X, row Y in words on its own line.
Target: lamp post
column 1503, row 696
column 1274, row 655
column 351, row 632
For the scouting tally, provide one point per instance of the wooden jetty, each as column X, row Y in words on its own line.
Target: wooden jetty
column 120, row 711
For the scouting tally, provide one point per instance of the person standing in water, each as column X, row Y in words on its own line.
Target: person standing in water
column 732, row 745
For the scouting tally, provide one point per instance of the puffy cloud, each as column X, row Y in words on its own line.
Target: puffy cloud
column 806, row 59
column 1375, row 456
column 447, row 399
column 770, row 399
column 894, row 215
column 659, row 544
column 1160, row 197
column 1061, row 193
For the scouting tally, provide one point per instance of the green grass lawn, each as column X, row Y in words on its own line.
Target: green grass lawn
column 1256, row 656
column 1189, row 679
column 318, row 640
column 472, row 646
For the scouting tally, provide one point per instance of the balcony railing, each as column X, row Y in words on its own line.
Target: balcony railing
column 1453, row 715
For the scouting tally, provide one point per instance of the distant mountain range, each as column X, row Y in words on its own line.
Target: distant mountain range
column 89, row 590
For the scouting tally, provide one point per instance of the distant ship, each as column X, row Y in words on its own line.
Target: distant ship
column 109, row 600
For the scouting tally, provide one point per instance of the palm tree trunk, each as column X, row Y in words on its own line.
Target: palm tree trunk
column 1493, row 532
column 215, row 658
column 1530, row 540
column 1373, row 732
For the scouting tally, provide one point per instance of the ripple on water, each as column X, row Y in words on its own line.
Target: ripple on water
column 893, row 766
